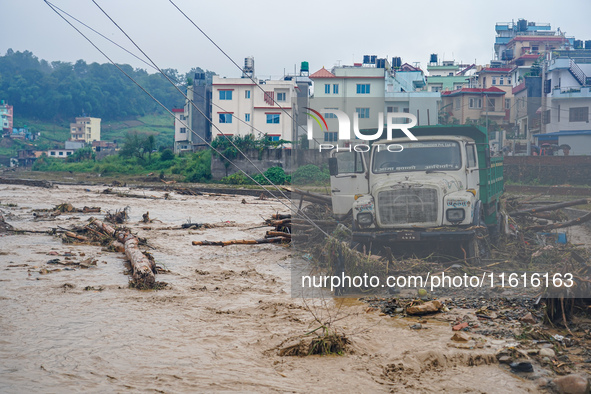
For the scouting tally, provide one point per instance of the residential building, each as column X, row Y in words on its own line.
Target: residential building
column 568, row 93
column 60, row 153
column 355, row 90
column 448, row 75
column 405, row 92
column 245, row 106
column 86, row 129
column 182, row 134
column 467, row 105
column 6, row 115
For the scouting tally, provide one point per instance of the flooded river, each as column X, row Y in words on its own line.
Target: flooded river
column 216, row 326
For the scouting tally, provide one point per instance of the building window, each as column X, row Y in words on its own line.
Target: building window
column 508, row 80
column 247, row 94
column 362, row 88
column 183, row 117
column 331, row 136
column 183, row 130
column 225, row 118
column 534, row 48
column 546, row 117
column 508, row 103
column 558, row 114
column 61, row 153
column 68, row 153
column 327, row 88
column 363, row 112
column 225, row 95
column 578, row 114
column 52, row 153
column 458, row 103
column 490, row 104
column 475, row 103
column 494, row 81
column 501, row 81
column 330, row 115
column 436, row 89
column 247, row 117
column 273, row 118
column 280, row 96
column 335, row 88
column 273, row 137
column 392, row 109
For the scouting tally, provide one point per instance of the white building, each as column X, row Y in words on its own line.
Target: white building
column 242, row 107
column 351, row 89
column 60, row 153
column 86, row 129
column 568, row 95
column 182, row 141
column 368, row 89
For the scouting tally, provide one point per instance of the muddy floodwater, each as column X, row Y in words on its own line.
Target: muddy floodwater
column 217, row 325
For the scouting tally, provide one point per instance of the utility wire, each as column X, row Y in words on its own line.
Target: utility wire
column 150, row 65
column 200, row 111
column 170, row 112
column 236, row 64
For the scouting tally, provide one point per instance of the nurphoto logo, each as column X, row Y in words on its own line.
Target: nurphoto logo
column 344, row 128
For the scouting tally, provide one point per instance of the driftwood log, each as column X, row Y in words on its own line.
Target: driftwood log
column 142, row 268
column 551, row 207
column 240, row 242
column 574, row 222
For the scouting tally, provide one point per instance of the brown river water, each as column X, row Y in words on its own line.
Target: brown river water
column 217, row 325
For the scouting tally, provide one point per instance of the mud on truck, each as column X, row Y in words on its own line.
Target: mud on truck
column 440, row 191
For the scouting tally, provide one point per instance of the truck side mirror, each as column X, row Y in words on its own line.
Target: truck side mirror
column 333, row 166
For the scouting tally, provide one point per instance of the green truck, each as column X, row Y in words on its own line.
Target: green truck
column 443, row 188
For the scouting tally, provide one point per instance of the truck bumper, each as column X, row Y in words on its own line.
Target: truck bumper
column 412, row 236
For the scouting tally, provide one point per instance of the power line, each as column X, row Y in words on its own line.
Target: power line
column 236, row 64
column 194, row 106
column 189, row 128
column 170, row 112
column 150, row 65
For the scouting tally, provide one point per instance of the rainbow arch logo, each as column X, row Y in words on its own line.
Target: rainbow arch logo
column 316, row 118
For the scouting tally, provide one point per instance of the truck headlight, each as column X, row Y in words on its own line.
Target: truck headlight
column 455, row 214
column 365, row 219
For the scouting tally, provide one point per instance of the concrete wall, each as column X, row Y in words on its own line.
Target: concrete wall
column 288, row 159
column 550, row 170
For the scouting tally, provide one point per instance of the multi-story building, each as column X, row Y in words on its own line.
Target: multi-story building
column 448, row 75
column 566, row 101
column 86, row 129
column 367, row 89
column 182, row 140
column 467, row 105
column 244, row 106
column 355, row 90
column 6, row 114
column 405, row 92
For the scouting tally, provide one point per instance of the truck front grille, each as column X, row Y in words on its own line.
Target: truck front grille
column 402, row 206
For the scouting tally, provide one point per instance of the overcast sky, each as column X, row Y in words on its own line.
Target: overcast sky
column 279, row 34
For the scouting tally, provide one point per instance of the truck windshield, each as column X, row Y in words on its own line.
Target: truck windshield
column 418, row 156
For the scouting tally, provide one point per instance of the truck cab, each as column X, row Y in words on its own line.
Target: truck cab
column 437, row 188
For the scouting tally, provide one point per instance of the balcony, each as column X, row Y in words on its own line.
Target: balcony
column 571, row 93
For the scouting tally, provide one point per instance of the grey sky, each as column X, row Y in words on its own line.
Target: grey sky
column 279, row 34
